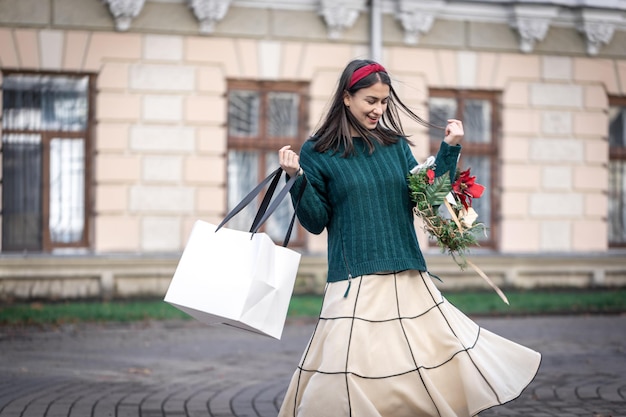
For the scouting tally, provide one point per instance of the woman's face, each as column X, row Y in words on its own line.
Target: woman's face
column 368, row 105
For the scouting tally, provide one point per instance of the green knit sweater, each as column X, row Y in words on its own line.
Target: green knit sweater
column 363, row 202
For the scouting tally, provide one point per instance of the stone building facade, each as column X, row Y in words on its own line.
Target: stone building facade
column 161, row 149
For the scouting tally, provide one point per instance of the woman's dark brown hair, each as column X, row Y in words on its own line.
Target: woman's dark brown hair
column 334, row 133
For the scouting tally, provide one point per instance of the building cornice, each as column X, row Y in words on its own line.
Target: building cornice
column 340, row 15
column 417, row 17
column 124, row 11
column 209, row 12
column 595, row 20
column 532, row 23
column 598, row 27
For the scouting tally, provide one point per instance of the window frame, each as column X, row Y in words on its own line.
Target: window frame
column 490, row 150
column 616, row 153
column 261, row 142
column 47, row 246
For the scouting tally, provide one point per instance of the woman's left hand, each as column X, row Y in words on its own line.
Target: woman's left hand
column 454, row 132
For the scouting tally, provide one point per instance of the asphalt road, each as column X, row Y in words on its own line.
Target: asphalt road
column 184, row 368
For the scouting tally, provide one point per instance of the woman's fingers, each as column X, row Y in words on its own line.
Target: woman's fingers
column 288, row 160
column 454, row 132
column 287, row 156
column 454, row 126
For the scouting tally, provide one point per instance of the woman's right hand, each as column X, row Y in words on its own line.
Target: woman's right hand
column 454, row 132
column 289, row 160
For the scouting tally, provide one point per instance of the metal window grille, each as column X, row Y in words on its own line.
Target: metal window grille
column 45, row 126
column 262, row 117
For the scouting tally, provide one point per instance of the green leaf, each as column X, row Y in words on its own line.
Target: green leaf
column 438, row 190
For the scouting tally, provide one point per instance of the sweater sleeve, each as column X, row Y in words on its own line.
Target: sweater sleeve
column 314, row 211
column 446, row 160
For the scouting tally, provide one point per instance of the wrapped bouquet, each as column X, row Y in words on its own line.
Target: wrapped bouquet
column 445, row 207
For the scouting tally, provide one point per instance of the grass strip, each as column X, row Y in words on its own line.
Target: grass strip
column 472, row 303
column 536, row 302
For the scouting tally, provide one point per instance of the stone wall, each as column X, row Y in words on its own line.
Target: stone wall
column 159, row 149
column 128, row 277
column 160, row 143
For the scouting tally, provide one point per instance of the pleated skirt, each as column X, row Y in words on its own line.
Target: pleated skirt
column 395, row 347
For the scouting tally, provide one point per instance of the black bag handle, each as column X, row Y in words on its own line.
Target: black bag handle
column 279, row 198
column 266, row 199
column 252, row 195
column 266, row 210
column 295, row 210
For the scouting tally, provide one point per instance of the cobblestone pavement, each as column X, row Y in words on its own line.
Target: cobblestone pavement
column 183, row 368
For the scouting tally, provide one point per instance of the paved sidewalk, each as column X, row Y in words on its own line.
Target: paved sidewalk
column 184, row 368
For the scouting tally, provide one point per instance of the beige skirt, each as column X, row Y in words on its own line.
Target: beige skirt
column 394, row 347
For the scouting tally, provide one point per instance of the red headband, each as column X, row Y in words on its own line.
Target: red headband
column 364, row 71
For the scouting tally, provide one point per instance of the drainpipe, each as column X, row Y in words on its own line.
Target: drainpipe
column 376, row 39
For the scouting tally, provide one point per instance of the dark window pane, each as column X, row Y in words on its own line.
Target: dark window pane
column 67, row 190
column 617, row 202
column 480, row 167
column 617, row 176
column 21, row 193
column 477, row 121
column 440, row 110
column 34, row 102
column 243, row 113
column 243, row 169
column 283, row 114
column 617, row 126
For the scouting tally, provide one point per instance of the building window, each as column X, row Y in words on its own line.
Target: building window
column 263, row 117
column 479, row 111
column 45, row 142
column 617, row 172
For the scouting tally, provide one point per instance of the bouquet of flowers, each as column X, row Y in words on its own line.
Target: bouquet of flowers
column 446, row 210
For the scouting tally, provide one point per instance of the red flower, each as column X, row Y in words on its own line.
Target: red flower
column 430, row 174
column 466, row 188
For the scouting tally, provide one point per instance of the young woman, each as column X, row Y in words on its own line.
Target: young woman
column 387, row 344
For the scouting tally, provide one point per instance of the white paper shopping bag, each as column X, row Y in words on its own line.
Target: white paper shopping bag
column 235, row 278
column 241, row 279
